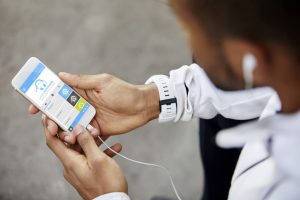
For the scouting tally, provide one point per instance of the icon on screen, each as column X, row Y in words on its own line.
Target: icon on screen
column 65, row 91
column 73, row 98
column 40, row 85
column 80, row 105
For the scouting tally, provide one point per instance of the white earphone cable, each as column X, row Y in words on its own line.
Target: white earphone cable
column 143, row 163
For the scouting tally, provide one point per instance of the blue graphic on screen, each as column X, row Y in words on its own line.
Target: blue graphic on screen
column 40, row 85
column 42, row 81
column 32, row 77
column 65, row 91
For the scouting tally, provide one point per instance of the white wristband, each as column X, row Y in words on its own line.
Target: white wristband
column 168, row 102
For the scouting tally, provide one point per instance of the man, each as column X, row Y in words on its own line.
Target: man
column 238, row 43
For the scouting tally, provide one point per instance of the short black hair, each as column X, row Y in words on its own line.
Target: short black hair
column 276, row 21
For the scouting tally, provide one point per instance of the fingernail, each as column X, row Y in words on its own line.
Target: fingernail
column 78, row 130
column 94, row 132
column 67, row 139
column 63, row 74
column 43, row 116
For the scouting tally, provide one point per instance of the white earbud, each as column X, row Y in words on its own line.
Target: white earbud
column 249, row 64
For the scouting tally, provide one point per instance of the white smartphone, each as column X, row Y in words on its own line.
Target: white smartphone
column 43, row 88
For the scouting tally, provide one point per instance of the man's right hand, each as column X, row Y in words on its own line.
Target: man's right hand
column 90, row 170
column 120, row 106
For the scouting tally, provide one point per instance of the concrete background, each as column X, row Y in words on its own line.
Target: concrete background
column 132, row 39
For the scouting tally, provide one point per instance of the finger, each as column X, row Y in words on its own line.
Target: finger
column 79, row 81
column 99, row 142
column 32, row 109
column 71, row 138
column 116, row 147
column 77, row 147
column 67, row 137
column 50, row 125
column 95, row 132
column 87, row 143
column 57, row 146
column 81, row 92
column 96, row 125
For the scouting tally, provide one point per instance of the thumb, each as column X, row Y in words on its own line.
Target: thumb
column 79, row 81
column 88, row 144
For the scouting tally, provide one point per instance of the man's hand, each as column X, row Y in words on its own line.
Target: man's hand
column 121, row 107
column 92, row 172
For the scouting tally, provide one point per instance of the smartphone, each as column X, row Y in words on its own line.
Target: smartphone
column 43, row 88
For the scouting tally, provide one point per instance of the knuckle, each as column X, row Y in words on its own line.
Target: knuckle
column 106, row 76
column 48, row 142
column 100, row 160
column 84, row 138
column 66, row 174
column 69, row 165
column 80, row 76
column 77, row 79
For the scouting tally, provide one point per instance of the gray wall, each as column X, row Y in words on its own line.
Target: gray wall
column 132, row 39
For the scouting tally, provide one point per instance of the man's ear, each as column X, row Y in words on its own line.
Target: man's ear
column 234, row 52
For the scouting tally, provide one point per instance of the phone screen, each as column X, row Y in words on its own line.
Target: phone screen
column 54, row 97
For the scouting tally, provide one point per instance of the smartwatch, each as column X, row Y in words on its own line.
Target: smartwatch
column 167, row 100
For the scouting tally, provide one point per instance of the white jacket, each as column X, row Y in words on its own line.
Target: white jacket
column 268, row 165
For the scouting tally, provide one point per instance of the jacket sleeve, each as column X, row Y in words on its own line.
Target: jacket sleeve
column 113, row 196
column 204, row 100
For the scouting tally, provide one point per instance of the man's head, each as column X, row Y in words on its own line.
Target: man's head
column 222, row 32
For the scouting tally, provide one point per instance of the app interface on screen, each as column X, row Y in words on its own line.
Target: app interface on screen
column 54, row 97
